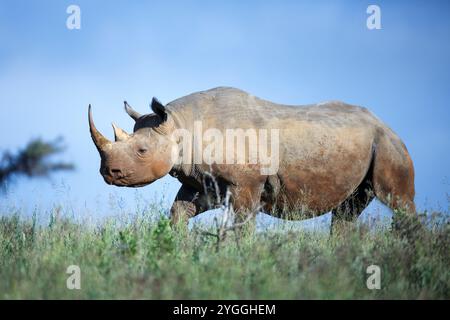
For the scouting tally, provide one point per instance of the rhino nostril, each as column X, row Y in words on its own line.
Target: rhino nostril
column 116, row 173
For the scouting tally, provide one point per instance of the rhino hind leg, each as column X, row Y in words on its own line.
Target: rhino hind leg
column 393, row 175
column 345, row 215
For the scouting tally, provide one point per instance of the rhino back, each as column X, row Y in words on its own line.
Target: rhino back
column 228, row 107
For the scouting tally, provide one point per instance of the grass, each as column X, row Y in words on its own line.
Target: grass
column 146, row 258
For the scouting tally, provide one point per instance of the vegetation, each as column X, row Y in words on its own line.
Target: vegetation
column 147, row 258
column 32, row 161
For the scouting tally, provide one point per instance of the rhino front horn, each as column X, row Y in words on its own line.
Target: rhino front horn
column 119, row 134
column 99, row 140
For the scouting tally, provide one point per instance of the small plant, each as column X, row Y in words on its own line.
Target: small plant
column 162, row 238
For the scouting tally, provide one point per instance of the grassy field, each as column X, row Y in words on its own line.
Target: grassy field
column 146, row 258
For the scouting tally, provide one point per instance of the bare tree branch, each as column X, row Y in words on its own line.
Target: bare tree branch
column 228, row 221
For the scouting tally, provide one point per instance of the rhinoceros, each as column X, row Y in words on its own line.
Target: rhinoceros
column 331, row 156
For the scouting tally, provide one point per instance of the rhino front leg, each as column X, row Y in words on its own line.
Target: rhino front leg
column 186, row 205
column 246, row 199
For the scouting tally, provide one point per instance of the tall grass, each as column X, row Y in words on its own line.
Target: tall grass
column 146, row 258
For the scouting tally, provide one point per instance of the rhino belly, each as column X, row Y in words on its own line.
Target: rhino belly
column 321, row 174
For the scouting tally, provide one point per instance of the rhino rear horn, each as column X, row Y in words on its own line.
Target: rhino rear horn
column 119, row 134
column 131, row 112
column 99, row 140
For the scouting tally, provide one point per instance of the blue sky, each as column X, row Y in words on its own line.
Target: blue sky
column 293, row 52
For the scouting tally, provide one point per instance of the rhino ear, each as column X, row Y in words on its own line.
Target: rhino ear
column 159, row 109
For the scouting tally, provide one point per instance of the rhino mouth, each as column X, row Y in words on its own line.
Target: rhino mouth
column 125, row 183
column 133, row 185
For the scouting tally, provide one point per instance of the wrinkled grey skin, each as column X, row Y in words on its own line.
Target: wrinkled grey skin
column 333, row 156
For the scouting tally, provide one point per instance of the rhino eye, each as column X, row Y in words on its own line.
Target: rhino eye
column 142, row 150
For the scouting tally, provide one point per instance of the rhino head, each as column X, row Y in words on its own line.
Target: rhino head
column 137, row 159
